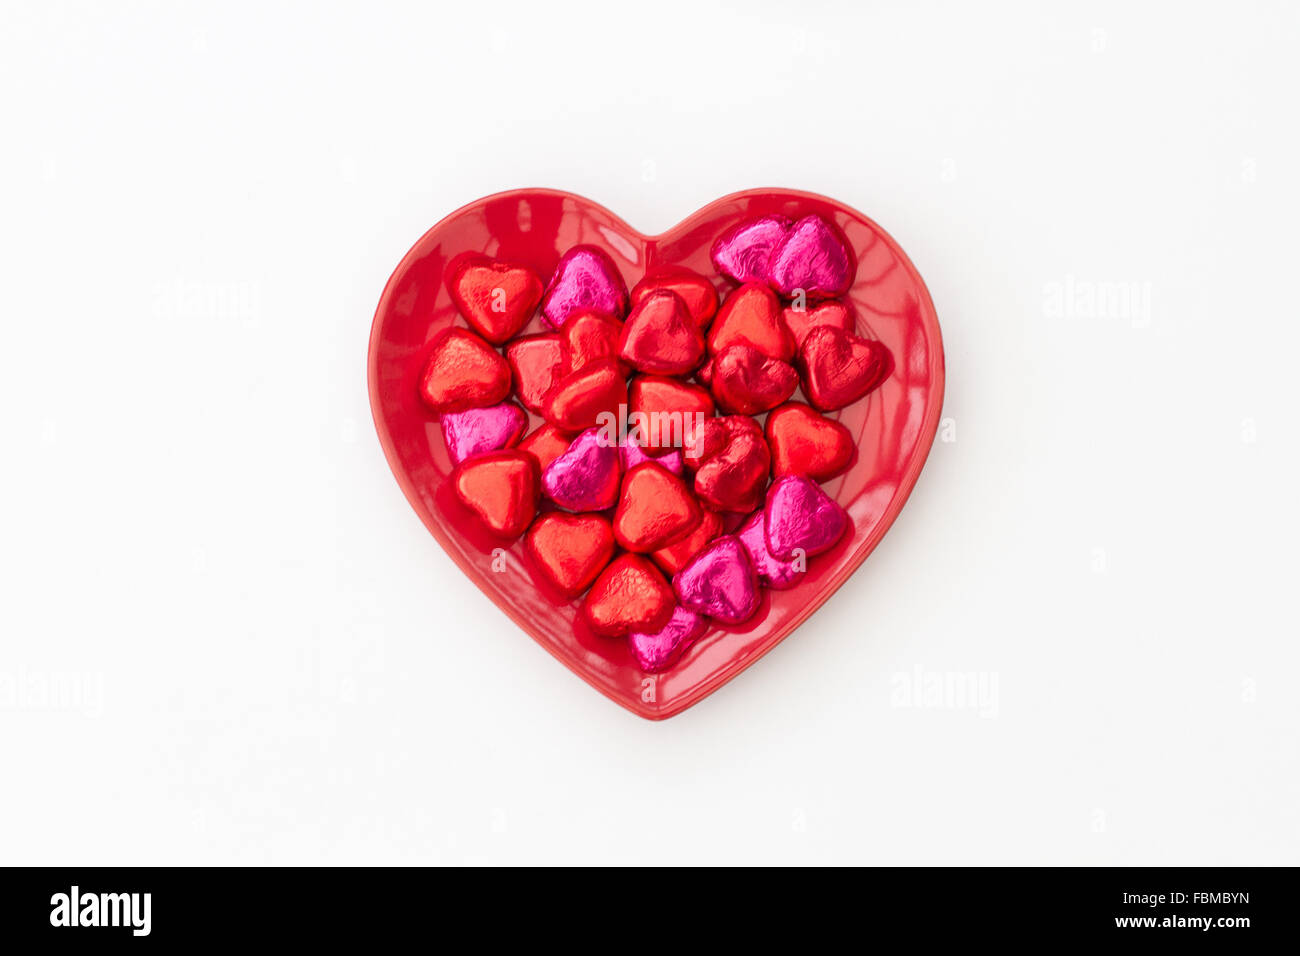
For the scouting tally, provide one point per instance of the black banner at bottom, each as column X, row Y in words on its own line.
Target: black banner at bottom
column 132, row 907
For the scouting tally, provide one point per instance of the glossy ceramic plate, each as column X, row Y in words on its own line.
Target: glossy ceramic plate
column 894, row 426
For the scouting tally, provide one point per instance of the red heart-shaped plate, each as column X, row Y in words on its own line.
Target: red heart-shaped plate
column 893, row 427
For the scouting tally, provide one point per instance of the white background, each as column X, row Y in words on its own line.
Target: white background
column 225, row 637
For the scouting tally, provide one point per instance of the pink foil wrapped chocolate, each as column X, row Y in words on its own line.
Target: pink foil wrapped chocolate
column 720, row 582
column 744, row 251
column 772, row 571
column 632, row 455
column 662, row 649
column 811, row 257
column 477, row 431
column 801, row 519
column 585, row 279
column 586, row 477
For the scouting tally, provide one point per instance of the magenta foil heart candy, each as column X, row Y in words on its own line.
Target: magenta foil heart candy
column 720, row 582
column 802, row 520
column 586, row 278
column 481, row 430
column 632, row 455
column 811, row 257
column 744, row 251
column 772, row 571
column 586, row 477
column 660, row 650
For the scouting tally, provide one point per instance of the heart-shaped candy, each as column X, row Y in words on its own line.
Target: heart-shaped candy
column 801, row 321
column 538, row 362
column 497, row 298
column 463, row 372
column 633, row 454
column 586, row 476
column 772, row 571
column 570, row 550
column 661, row 650
column 838, row 367
column 800, row 519
column 545, row 444
column 814, row 258
column 585, row 278
column 672, row 558
column 536, row 228
column 661, row 337
column 629, row 595
column 655, row 508
column 744, row 251
column 720, row 582
column 501, row 488
column 477, row 431
column 665, row 409
column 589, row 337
column 804, row 442
column 695, row 290
column 752, row 316
column 583, row 396
column 731, row 463
column 747, row 382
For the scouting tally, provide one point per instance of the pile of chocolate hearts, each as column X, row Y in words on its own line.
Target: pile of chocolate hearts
column 670, row 477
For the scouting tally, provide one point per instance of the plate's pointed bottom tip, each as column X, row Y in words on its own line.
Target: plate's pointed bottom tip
column 654, row 711
column 657, row 716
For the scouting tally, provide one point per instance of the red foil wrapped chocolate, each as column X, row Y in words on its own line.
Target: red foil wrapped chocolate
column 800, row 320
column 804, row 442
column 496, row 298
column 590, row 337
column 695, row 290
column 752, row 316
column 661, row 337
column 746, row 382
column 570, row 550
column 629, row 595
column 538, row 363
column 673, row 557
column 668, row 408
column 731, row 463
column 655, row 508
column 580, row 399
column 838, row 367
column 462, row 372
column 501, row 488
